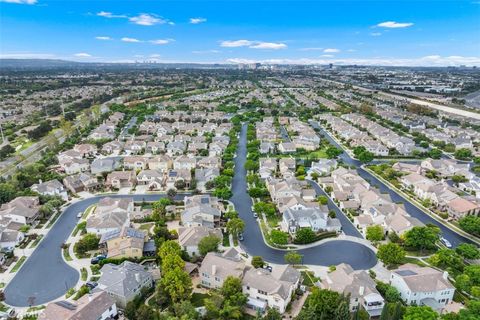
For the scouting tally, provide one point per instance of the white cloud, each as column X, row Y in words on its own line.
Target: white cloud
column 310, row 49
column 161, row 41
column 105, row 38
column 20, row 1
column 236, row 43
column 126, row 39
column 253, row 44
column 327, row 56
column 197, row 20
column 107, row 14
column 146, row 19
column 155, row 55
column 426, row 61
column 269, row 45
column 394, row 24
column 82, row 55
column 331, row 50
column 376, row 34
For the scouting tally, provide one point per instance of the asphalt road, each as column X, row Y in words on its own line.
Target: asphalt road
column 45, row 276
column 453, row 237
column 326, row 254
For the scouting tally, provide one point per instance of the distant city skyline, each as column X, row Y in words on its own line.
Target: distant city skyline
column 390, row 33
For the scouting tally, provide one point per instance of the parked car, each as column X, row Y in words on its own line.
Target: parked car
column 91, row 284
column 79, row 215
column 255, row 215
column 446, row 242
column 269, row 268
column 97, row 259
column 240, row 237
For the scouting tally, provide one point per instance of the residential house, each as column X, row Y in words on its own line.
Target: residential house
column 50, row 188
column 121, row 179
column 201, row 210
column 113, row 148
column 109, row 215
column 323, row 167
column 268, row 166
column 184, row 162
column 100, row 166
column 161, row 162
column 358, row 286
column 153, row 179
column 123, row 243
column 189, row 237
column 267, row 289
column 463, row 206
column 315, row 218
column 174, row 178
column 124, row 282
column 202, row 176
column 80, row 182
column 24, row 210
column 423, row 286
column 98, row 306
column 135, row 163
column 216, row 267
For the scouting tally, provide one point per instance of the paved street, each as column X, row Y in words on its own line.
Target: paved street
column 329, row 253
column 454, row 238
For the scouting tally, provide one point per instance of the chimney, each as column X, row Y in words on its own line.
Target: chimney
column 214, row 269
column 445, row 275
column 137, row 277
column 89, row 297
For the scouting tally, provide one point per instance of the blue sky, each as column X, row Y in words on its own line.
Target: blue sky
column 361, row 32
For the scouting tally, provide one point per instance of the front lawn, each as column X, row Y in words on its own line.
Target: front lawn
column 19, row 263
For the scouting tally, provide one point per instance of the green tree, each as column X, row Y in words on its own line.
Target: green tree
column 321, row 305
column 228, row 302
column 375, row 233
column 342, row 312
column 208, row 244
column 323, row 200
column 304, row 236
column 257, row 262
column 463, row 154
column 7, row 192
column 169, row 247
column 223, row 193
column 392, row 294
column 333, row 152
column 422, row 238
column 279, row 237
column 272, row 314
column 87, row 243
column 470, row 224
column 419, row 313
column 447, row 259
column 235, row 226
column 468, row 251
column 293, row 257
column 177, row 284
column 390, row 254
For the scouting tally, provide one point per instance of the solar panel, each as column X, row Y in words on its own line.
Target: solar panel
column 404, row 273
column 66, row 305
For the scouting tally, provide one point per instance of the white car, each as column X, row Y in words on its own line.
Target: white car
column 446, row 242
column 79, row 215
